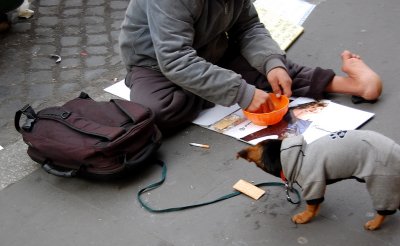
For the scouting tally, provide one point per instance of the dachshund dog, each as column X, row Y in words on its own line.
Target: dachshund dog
column 363, row 155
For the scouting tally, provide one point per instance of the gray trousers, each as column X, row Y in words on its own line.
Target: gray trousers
column 174, row 106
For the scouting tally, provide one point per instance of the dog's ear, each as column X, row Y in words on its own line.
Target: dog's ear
column 255, row 153
column 251, row 154
column 271, row 156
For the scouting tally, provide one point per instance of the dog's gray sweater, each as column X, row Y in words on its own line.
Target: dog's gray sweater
column 363, row 154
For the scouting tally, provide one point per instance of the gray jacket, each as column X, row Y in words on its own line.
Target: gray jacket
column 185, row 38
column 363, row 154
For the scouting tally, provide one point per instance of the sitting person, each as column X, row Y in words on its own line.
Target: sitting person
column 183, row 56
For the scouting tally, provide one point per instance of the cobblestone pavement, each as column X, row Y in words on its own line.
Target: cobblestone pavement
column 83, row 32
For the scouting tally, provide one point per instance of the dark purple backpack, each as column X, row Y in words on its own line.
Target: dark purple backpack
column 89, row 138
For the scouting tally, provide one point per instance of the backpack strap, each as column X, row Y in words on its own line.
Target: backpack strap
column 28, row 111
column 80, row 123
column 66, row 173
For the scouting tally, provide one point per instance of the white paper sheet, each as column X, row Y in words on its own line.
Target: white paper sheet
column 326, row 119
column 333, row 117
column 119, row 89
column 295, row 11
column 209, row 116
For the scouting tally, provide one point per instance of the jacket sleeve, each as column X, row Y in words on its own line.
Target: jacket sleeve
column 313, row 190
column 171, row 24
column 255, row 41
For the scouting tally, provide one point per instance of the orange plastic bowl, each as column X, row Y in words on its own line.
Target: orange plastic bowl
column 281, row 106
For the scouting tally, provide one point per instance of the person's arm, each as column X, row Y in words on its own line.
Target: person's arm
column 172, row 27
column 261, row 51
column 256, row 43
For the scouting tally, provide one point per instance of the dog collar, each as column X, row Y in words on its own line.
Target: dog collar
column 284, row 179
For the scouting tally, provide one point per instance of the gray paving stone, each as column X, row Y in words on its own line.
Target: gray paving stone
column 95, row 29
column 43, row 49
column 95, row 61
column 49, row 2
column 92, row 20
column 72, row 12
column 71, row 21
column 42, row 62
column 73, row 3
column 46, row 40
column 118, row 15
column 67, row 86
column 22, row 27
column 70, row 75
column 92, row 75
column 70, row 63
column 40, row 91
column 72, row 30
column 95, row 2
column 70, row 51
column 98, row 39
column 96, row 10
column 118, row 5
column 40, row 76
column 47, row 10
column 44, row 32
column 97, row 50
column 48, row 21
column 71, row 41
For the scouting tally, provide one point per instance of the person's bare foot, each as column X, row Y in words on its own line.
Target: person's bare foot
column 369, row 83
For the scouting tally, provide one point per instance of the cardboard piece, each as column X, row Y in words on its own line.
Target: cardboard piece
column 249, row 189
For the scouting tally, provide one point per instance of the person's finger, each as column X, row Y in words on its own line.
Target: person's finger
column 276, row 88
column 269, row 105
column 259, row 98
column 287, row 87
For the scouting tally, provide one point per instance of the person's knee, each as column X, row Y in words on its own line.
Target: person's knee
column 174, row 117
column 171, row 105
column 176, row 110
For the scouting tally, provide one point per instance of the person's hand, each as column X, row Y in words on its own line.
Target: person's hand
column 280, row 82
column 261, row 102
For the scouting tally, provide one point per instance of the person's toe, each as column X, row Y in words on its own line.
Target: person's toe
column 346, row 55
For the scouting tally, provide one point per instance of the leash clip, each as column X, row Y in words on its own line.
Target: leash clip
column 288, row 189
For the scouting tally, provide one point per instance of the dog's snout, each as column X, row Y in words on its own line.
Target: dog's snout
column 242, row 154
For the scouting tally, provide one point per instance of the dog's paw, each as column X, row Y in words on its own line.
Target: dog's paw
column 375, row 223
column 372, row 225
column 302, row 218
